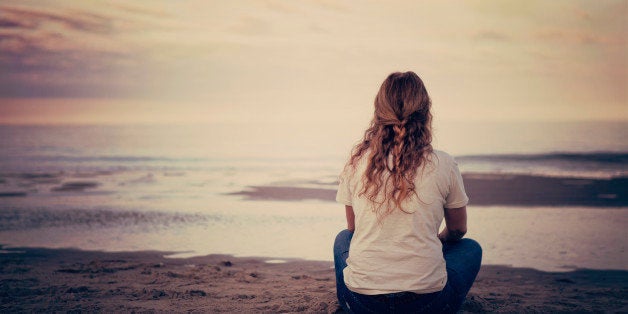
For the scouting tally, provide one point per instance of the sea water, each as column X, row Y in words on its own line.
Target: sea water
column 169, row 188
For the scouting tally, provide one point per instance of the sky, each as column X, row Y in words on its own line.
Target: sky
column 308, row 62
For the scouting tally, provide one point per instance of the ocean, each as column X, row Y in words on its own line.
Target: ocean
column 550, row 196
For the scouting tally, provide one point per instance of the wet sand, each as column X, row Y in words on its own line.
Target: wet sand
column 491, row 189
column 50, row 280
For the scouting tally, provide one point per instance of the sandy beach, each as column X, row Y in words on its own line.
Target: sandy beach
column 34, row 280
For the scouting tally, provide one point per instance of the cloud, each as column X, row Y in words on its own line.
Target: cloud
column 65, row 53
column 12, row 21
column 32, row 18
column 142, row 11
column 32, row 69
column 290, row 7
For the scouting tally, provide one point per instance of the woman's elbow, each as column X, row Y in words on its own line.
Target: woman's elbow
column 457, row 234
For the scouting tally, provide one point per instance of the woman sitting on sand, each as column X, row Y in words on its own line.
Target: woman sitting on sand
column 397, row 190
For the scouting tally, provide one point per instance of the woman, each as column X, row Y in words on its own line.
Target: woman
column 396, row 190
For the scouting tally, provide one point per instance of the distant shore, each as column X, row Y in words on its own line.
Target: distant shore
column 73, row 280
column 492, row 189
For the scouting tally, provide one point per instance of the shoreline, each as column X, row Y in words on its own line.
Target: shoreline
column 489, row 190
column 69, row 280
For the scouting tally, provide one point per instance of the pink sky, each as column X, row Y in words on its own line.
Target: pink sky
column 305, row 61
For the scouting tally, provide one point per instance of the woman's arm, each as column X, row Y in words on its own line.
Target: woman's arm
column 455, row 224
column 350, row 218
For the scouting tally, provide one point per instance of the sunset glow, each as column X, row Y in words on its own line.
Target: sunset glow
column 276, row 61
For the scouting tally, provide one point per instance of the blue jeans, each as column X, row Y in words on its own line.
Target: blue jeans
column 463, row 260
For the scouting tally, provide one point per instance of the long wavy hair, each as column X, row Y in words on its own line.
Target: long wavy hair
column 398, row 141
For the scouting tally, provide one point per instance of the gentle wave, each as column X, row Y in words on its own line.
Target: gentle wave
column 558, row 164
column 596, row 157
column 65, row 158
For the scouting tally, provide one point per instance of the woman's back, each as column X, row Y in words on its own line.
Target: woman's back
column 402, row 251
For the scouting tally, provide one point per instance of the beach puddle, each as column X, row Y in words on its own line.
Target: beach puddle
column 187, row 254
column 275, row 261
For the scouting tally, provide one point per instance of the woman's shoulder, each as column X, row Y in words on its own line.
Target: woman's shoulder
column 442, row 162
column 442, row 158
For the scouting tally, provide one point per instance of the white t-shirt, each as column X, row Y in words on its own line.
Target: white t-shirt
column 402, row 252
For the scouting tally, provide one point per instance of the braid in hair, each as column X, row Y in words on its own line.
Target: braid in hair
column 398, row 140
column 400, row 183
